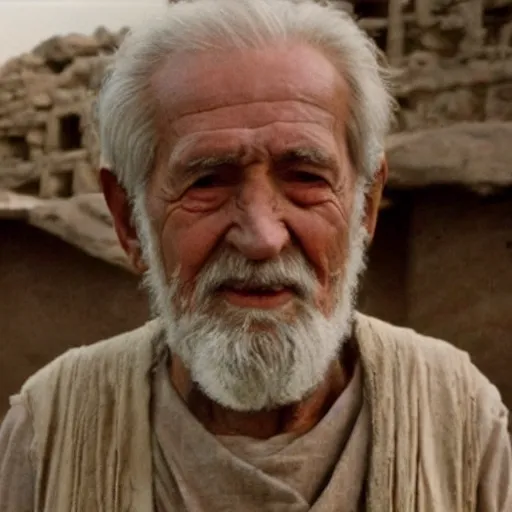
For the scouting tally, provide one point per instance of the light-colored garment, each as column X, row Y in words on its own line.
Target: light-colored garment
column 328, row 469
column 285, row 472
column 195, row 471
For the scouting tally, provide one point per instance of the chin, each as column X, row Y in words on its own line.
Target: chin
column 250, row 360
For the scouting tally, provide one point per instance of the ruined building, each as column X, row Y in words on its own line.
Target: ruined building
column 47, row 144
column 442, row 259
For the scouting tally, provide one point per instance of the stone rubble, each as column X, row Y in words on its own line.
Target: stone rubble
column 47, row 139
column 477, row 155
column 453, row 89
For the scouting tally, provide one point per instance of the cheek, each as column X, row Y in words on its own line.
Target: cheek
column 323, row 235
column 188, row 240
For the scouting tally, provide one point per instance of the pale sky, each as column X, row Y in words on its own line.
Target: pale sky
column 25, row 23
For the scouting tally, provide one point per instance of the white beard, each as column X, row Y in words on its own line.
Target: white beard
column 250, row 359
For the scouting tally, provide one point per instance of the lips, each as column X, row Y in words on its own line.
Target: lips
column 263, row 297
column 240, row 287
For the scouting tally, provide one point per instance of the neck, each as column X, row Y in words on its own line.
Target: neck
column 295, row 418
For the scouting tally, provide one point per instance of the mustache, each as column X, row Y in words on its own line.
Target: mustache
column 229, row 268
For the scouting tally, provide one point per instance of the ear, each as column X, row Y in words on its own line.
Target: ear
column 374, row 197
column 121, row 210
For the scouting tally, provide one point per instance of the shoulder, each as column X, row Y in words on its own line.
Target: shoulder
column 102, row 356
column 402, row 341
column 442, row 372
column 456, row 402
column 495, row 469
column 76, row 380
column 17, row 473
column 446, row 364
column 86, row 381
column 449, row 386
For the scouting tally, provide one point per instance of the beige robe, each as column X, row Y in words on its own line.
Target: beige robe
column 326, row 469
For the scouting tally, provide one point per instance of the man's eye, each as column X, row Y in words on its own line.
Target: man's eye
column 207, row 181
column 306, row 177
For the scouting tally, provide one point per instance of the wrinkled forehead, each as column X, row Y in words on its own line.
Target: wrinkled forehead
column 192, row 83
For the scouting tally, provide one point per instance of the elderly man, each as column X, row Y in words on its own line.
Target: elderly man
column 245, row 148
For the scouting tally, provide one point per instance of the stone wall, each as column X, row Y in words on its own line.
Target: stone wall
column 48, row 146
column 454, row 57
column 454, row 62
column 454, row 123
column 453, row 87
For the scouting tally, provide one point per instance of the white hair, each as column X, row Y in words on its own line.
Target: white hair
column 125, row 109
column 237, row 366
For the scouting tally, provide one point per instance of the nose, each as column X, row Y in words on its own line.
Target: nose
column 259, row 231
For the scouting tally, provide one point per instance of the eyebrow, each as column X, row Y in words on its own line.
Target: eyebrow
column 312, row 156
column 209, row 162
column 196, row 166
column 307, row 155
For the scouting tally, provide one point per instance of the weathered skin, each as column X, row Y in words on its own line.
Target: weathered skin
column 263, row 201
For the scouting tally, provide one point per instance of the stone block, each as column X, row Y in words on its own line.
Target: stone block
column 37, row 154
column 20, row 94
column 465, row 154
column 12, row 107
column 422, row 62
column 105, row 39
column 498, row 103
column 15, row 131
column 40, row 118
column 6, row 96
column 82, row 45
column 6, row 123
column 53, row 49
column 31, row 61
column 67, row 159
column 5, row 150
column 40, row 82
column 17, row 174
column 73, row 221
column 49, row 187
column 98, row 71
column 85, row 179
column 30, row 77
column 25, row 119
column 16, row 206
column 56, row 184
column 68, row 80
column 82, row 68
column 52, row 133
column 12, row 83
column 450, row 107
column 11, row 66
column 62, row 96
column 41, row 100
column 343, row 5
column 36, row 138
